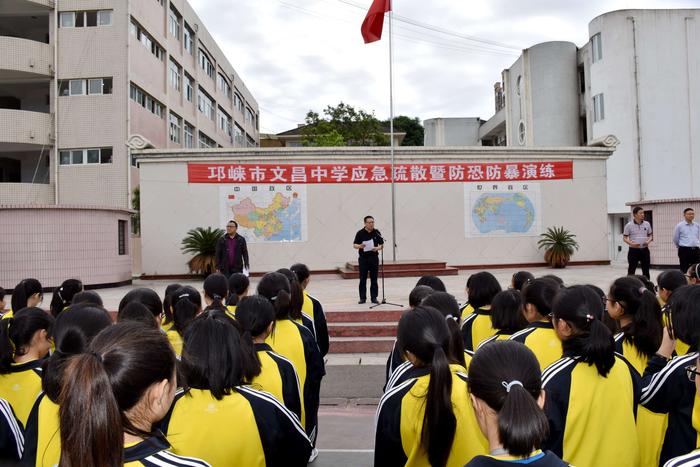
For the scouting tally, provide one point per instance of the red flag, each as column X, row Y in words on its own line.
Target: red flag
column 374, row 21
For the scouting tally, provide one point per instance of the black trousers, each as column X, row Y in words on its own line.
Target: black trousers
column 687, row 256
column 369, row 265
column 636, row 256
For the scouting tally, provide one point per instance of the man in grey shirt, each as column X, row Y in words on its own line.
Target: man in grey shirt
column 637, row 234
column 686, row 237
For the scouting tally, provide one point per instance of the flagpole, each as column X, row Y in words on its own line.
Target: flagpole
column 391, row 133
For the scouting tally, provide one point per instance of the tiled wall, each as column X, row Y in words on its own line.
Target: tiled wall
column 666, row 215
column 52, row 244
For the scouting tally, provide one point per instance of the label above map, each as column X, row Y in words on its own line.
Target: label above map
column 378, row 173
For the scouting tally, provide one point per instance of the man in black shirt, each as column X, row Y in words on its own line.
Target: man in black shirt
column 368, row 258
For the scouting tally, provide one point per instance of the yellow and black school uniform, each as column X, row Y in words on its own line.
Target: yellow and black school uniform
column 279, row 378
column 231, row 311
column 175, row 339
column 246, row 428
column 11, row 435
column 500, row 335
column 592, row 418
column 535, row 459
column 295, row 342
column 313, row 317
column 476, row 328
column 153, row 452
column 400, row 423
column 689, row 460
column 651, row 427
column 8, row 314
column 394, row 361
column 407, row 371
column 541, row 338
column 21, row 387
column 43, row 434
column 667, row 389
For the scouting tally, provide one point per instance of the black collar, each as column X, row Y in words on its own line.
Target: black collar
column 262, row 347
column 542, row 324
column 31, row 365
column 145, row 448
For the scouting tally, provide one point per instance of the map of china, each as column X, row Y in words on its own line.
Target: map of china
column 264, row 221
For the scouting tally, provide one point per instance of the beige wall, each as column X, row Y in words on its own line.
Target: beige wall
column 429, row 216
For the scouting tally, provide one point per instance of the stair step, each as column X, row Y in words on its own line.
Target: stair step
column 378, row 316
column 361, row 345
column 362, row 330
column 346, row 273
column 403, row 265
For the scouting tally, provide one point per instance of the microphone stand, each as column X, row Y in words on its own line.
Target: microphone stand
column 383, row 301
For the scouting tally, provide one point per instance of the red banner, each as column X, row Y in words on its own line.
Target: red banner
column 377, row 173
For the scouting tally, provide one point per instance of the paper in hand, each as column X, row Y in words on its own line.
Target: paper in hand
column 368, row 245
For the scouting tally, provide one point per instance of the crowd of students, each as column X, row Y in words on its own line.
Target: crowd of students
column 541, row 373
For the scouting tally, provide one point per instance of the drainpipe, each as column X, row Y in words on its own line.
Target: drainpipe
column 55, row 103
column 642, row 192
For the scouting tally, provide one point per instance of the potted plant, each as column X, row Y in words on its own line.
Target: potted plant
column 558, row 244
column 202, row 243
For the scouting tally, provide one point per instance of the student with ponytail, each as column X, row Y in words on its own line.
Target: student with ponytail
column 25, row 340
column 27, row 294
column 264, row 432
column 238, row 284
column 296, row 343
column 296, row 301
column 312, row 309
column 506, row 315
column 63, row 295
column 215, row 292
column 147, row 297
column 506, row 392
column 428, row 419
column 592, row 393
column 73, row 332
column 276, row 374
column 482, row 287
column 693, row 274
column 666, row 387
column 186, row 304
column 639, row 314
column 167, row 308
column 539, row 336
column 112, row 396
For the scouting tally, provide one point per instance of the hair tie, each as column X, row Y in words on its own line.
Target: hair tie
column 642, row 290
column 590, row 318
column 448, row 317
column 187, row 295
column 273, row 298
column 97, row 356
column 59, row 294
column 216, row 296
column 515, row 382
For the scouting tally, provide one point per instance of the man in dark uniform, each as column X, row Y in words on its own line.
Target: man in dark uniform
column 231, row 251
column 368, row 258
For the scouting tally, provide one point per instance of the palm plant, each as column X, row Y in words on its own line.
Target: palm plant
column 558, row 244
column 201, row 243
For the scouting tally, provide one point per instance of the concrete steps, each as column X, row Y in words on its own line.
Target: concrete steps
column 405, row 268
column 362, row 331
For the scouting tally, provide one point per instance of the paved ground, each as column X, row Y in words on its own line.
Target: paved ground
column 352, row 386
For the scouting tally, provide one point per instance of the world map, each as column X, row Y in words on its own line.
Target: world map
column 495, row 213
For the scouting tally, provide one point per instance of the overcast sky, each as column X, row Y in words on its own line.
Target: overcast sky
column 297, row 55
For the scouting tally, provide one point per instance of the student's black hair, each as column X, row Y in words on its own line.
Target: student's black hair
column 147, row 297
column 186, row 303
column 297, row 293
column 301, row 270
column 481, row 288
column 647, row 283
column 211, row 354
column 424, row 333
column 275, row 287
column 88, row 296
column 521, row 278
column 646, row 330
column 448, row 307
column 16, row 334
column 216, row 288
column 671, row 280
column 683, row 312
column 541, row 292
column 607, row 320
column 433, row 282
column 255, row 313
column 688, row 209
column 167, row 305
column 507, row 312
column 238, row 283
column 582, row 309
column 418, row 294
column 137, row 312
column 694, row 271
column 72, row 333
column 493, row 372
column 555, row 278
column 63, row 295
column 22, row 291
column 636, row 209
column 101, row 385
column 2, row 293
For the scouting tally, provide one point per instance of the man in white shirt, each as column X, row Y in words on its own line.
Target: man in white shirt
column 686, row 237
column 638, row 235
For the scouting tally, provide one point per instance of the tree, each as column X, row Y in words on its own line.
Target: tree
column 412, row 127
column 342, row 125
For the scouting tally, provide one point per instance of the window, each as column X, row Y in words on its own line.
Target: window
column 81, row 87
column 225, row 122
column 175, row 124
column 250, row 142
column 145, row 100
column 597, row 47
column 598, row 107
column 518, row 85
column 189, row 88
column 248, row 116
column 121, row 237
column 205, row 104
column 205, row 64
column 205, row 141
column 238, row 135
column 174, row 22
column 81, row 19
column 77, row 87
column 521, row 133
column 146, row 40
column 222, row 84
column 238, row 102
column 174, row 74
column 188, row 39
column 85, row 156
column 189, row 135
